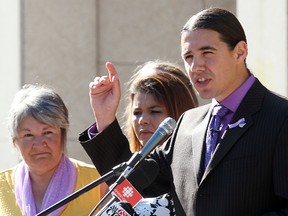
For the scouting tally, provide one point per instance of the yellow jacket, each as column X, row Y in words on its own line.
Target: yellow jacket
column 82, row 205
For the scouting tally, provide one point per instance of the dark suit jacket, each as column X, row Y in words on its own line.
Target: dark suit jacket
column 248, row 174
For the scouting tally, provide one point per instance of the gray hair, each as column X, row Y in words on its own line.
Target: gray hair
column 41, row 103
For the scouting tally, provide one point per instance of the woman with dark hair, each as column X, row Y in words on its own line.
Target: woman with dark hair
column 167, row 84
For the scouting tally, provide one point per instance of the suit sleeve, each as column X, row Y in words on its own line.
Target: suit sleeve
column 107, row 149
column 281, row 169
column 110, row 148
column 280, row 175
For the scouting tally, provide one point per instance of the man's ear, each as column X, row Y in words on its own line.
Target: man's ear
column 241, row 51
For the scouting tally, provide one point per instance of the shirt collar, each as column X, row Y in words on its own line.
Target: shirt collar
column 233, row 101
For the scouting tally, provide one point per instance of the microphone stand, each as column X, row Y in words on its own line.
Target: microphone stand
column 111, row 189
column 130, row 165
column 113, row 173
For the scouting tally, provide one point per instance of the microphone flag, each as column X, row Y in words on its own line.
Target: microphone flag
column 126, row 192
column 125, row 197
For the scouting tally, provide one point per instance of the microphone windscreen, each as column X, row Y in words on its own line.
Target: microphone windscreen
column 127, row 207
column 117, row 208
column 144, row 175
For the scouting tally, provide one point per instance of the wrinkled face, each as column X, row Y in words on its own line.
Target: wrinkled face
column 211, row 65
column 147, row 114
column 39, row 145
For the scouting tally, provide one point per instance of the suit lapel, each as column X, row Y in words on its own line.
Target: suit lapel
column 230, row 138
column 198, row 138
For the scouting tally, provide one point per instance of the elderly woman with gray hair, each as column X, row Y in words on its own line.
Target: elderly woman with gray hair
column 38, row 124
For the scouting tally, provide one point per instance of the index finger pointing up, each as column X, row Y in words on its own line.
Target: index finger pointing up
column 111, row 70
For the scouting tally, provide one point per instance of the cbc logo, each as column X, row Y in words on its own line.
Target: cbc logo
column 127, row 192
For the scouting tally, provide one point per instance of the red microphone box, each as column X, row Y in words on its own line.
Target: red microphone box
column 126, row 192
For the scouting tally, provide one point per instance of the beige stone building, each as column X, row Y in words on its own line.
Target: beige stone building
column 65, row 44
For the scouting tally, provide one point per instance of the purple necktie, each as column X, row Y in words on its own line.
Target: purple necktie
column 214, row 130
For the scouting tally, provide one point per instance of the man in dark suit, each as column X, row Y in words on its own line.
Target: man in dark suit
column 248, row 170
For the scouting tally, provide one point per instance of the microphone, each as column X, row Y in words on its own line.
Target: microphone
column 164, row 130
column 125, row 197
column 146, row 174
column 125, row 192
column 121, row 208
